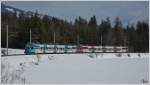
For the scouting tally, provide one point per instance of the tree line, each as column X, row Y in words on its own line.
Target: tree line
column 88, row 32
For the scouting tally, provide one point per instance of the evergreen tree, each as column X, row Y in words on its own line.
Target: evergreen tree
column 119, row 33
column 92, row 31
column 104, row 29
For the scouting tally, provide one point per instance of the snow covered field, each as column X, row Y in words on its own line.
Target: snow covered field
column 76, row 68
column 13, row 51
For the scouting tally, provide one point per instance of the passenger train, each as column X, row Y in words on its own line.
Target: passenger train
column 32, row 48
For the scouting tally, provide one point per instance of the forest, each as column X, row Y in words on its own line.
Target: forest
column 135, row 37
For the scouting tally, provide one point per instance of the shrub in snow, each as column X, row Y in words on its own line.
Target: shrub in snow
column 96, row 55
column 101, row 54
column 4, row 73
column 11, row 75
column 50, row 57
column 91, row 55
column 144, row 81
column 3, row 51
column 38, row 57
column 36, row 63
column 139, row 55
column 128, row 55
column 119, row 55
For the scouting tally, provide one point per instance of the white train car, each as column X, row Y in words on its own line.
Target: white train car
column 104, row 49
column 53, row 49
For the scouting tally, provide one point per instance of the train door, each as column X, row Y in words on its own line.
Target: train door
column 104, row 48
column 55, row 47
column 66, row 48
column 115, row 49
column 93, row 49
column 45, row 48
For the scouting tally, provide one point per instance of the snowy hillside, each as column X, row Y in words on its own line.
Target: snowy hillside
column 76, row 68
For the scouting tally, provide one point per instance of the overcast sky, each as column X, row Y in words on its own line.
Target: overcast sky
column 128, row 11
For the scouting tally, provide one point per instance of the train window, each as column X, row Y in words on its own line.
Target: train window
column 118, row 49
column 108, row 49
column 99, row 48
column 90, row 49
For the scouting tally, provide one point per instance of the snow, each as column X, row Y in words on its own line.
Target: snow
column 13, row 51
column 9, row 9
column 76, row 68
column 83, row 70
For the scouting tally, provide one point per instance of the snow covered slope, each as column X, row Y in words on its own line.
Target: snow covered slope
column 13, row 51
column 76, row 68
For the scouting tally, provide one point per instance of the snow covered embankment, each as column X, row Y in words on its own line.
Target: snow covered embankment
column 76, row 68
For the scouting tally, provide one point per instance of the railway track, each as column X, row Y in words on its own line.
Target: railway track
column 59, row 53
